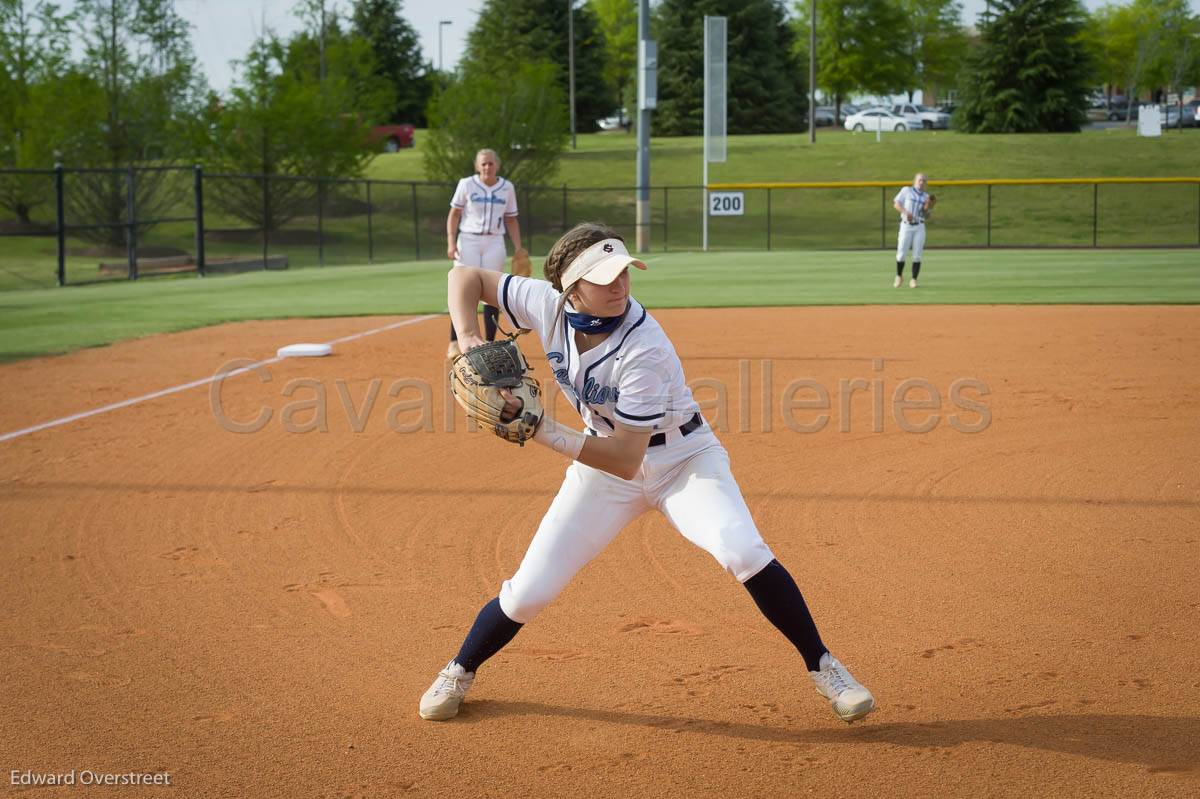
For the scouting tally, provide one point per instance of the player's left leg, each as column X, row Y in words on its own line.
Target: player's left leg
column 704, row 503
column 918, row 249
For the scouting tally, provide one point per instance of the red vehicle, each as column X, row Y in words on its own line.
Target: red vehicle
column 392, row 137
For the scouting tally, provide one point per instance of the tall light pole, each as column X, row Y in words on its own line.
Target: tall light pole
column 571, row 62
column 812, row 75
column 647, row 102
column 441, row 25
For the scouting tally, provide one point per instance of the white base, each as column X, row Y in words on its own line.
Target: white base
column 304, row 351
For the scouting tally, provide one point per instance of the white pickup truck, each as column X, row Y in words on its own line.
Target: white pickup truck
column 919, row 117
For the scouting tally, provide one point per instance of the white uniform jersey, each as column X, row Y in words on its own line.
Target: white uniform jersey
column 484, row 207
column 912, row 200
column 633, row 377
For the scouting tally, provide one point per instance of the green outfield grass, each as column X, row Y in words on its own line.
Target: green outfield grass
column 44, row 321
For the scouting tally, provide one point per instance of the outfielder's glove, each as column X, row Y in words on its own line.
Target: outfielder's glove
column 476, row 378
column 521, row 265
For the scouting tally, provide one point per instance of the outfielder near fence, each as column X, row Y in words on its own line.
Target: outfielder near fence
column 166, row 220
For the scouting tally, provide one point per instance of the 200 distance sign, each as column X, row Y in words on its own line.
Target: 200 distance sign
column 726, row 203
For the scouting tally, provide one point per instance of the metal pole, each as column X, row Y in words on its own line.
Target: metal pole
column 571, row 64
column 989, row 215
column 529, row 205
column 1095, row 213
column 266, row 219
column 131, row 234
column 320, row 222
column 666, row 217
column 768, row 220
column 370, row 229
column 198, row 192
column 704, row 151
column 61, row 216
column 416, row 225
column 812, row 74
column 441, row 24
column 643, row 142
column 882, row 217
column 323, row 29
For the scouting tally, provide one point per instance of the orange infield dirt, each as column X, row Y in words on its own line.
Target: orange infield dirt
column 256, row 614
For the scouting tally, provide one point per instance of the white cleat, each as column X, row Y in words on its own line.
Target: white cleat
column 443, row 698
column 912, row 284
column 849, row 699
column 896, row 283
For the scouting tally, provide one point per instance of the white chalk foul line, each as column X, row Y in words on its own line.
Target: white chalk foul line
column 196, row 383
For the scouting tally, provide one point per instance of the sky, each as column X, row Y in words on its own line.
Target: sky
column 224, row 29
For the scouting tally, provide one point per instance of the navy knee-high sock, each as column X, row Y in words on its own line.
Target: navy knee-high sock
column 780, row 600
column 489, row 634
column 916, row 269
column 490, row 316
column 899, row 268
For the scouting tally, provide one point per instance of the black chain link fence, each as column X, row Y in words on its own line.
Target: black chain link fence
column 76, row 226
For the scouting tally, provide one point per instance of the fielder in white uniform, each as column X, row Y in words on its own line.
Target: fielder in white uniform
column 646, row 447
column 914, row 204
column 482, row 208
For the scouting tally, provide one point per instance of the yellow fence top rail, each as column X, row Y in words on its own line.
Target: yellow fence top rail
column 867, row 184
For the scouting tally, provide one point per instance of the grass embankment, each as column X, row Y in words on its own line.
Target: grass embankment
column 47, row 321
column 405, row 221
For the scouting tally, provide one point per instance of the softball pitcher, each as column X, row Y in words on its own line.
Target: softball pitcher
column 482, row 208
column 914, row 204
column 646, row 446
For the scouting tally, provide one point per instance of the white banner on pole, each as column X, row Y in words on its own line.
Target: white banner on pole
column 714, row 89
column 714, row 104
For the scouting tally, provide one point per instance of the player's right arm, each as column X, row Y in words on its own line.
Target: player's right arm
column 457, row 203
column 452, row 220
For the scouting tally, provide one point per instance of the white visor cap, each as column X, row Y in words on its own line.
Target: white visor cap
column 600, row 264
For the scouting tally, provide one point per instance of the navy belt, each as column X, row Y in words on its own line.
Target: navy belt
column 658, row 439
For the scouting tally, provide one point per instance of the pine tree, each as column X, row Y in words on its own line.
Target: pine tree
column 765, row 88
column 1031, row 72
column 509, row 33
column 398, row 57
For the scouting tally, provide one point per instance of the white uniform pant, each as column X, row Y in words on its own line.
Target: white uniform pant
column 911, row 235
column 482, row 251
column 692, row 486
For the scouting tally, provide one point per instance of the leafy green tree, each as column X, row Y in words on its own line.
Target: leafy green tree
column 398, row 59
column 138, row 52
column 1031, row 71
column 512, row 32
column 936, row 44
column 1181, row 49
column 38, row 104
column 1125, row 43
column 1110, row 36
column 281, row 119
column 861, row 47
column 618, row 23
column 352, row 83
column 521, row 114
column 765, row 82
